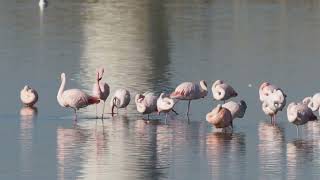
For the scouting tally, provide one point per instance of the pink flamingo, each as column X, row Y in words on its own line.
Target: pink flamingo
column 222, row 91
column 313, row 102
column 273, row 99
column 299, row 114
column 190, row 91
column 165, row 104
column 220, row 117
column 146, row 103
column 74, row 98
column 120, row 99
column 100, row 90
column 28, row 96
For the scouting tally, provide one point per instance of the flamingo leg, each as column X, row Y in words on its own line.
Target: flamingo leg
column 166, row 117
column 297, row 131
column 274, row 119
column 96, row 111
column 104, row 103
column 188, row 108
column 75, row 115
column 174, row 111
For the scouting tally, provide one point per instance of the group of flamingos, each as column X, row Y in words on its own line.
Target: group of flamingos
column 273, row 99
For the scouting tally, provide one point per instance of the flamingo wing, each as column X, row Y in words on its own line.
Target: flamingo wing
column 185, row 90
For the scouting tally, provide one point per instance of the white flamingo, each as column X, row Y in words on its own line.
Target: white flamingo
column 190, row 91
column 28, row 96
column 313, row 102
column 146, row 103
column 237, row 109
column 220, row 117
column 101, row 90
column 165, row 104
column 120, row 99
column 222, row 91
column 74, row 98
column 299, row 114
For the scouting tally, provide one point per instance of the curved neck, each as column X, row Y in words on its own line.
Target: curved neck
column 203, row 86
column 219, row 93
column 61, row 89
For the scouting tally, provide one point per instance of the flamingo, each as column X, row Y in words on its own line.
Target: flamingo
column 222, row 91
column 100, row 90
column 220, row 117
column 190, row 91
column 120, row 99
column 43, row 4
column 165, row 104
column 313, row 102
column 146, row 103
column 273, row 99
column 299, row 114
column 74, row 98
column 28, row 96
column 269, row 109
column 237, row 109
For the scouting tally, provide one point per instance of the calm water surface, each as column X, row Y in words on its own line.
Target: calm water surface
column 155, row 45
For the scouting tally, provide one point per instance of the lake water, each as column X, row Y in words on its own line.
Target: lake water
column 153, row 46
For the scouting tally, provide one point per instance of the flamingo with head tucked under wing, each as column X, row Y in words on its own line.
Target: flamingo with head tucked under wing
column 28, row 96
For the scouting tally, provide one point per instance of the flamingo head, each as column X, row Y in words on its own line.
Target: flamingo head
column 264, row 84
column 139, row 98
column 63, row 76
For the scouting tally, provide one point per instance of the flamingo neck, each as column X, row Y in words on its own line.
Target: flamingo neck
column 219, row 93
column 61, row 90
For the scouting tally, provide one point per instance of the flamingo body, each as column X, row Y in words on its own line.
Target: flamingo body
column 237, row 109
column 74, row 98
column 220, row 117
column 120, row 99
column 190, row 91
column 299, row 114
column 222, row 91
column 313, row 102
column 146, row 103
column 28, row 96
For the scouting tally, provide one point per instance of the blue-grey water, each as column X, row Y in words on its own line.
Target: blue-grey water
column 151, row 45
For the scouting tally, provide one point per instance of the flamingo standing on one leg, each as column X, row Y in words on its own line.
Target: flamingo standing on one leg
column 146, row 103
column 120, row 99
column 299, row 114
column 28, row 96
column 101, row 90
column 222, row 91
column 273, row 99
column 74, row 98
column 165, row 104
column 220, row 117
column 190, row 91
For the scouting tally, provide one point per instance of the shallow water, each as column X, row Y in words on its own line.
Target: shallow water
column 153, row 46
